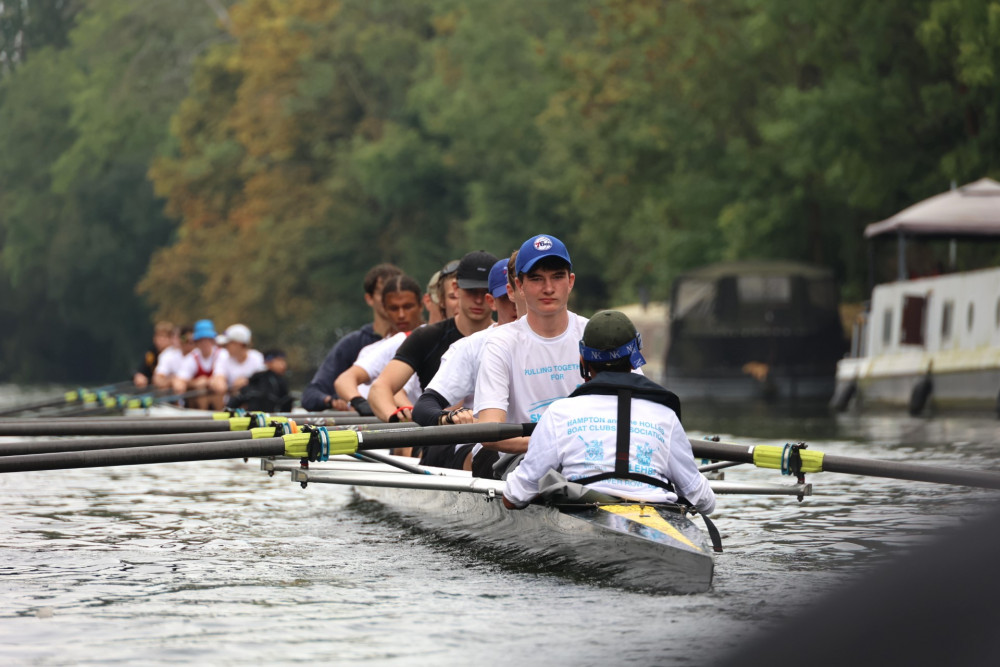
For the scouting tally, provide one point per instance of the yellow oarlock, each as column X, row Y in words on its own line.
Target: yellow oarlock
column 769, row 456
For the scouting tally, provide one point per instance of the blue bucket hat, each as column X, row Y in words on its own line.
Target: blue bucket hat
column 204, row 329
column 537, row 247
column 498, row 279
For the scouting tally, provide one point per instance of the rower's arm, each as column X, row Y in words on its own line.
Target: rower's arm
column 381, row 395
column 510, row 446
column 543, row 456
column 684, row 473
column 347, row 383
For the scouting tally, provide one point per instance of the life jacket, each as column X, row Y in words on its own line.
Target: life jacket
column 202, row 371
column 628, row 386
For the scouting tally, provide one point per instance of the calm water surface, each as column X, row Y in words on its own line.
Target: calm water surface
column 215, row 563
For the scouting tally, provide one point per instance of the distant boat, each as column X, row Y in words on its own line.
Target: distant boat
column 754, row 330
column 932, row 341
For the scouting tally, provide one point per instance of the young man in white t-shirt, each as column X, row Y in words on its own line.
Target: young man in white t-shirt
column 233, row 370
column 619, row 434
column 529, row 364
column 401, row 300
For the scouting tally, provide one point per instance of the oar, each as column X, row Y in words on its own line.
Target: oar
column 24, row 447
column 125, row 401
column 776, row 457
column 299, row 445
column 75, row 396
column 25, row 427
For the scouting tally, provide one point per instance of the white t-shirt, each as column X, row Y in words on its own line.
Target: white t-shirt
column 169, row 362
column 375, row 357
column 522, row 372
column 578, row 437
column 232, row 370
column 456, row 376
column 195, row 364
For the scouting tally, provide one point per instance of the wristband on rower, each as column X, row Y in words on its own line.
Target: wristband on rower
column 362, row 407
column 394, row 417
column 449, row 417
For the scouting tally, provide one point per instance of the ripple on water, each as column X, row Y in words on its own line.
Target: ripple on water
column 217, row 563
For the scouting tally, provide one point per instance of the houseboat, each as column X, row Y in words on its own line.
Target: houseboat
column 754, row 330
column 930, row 342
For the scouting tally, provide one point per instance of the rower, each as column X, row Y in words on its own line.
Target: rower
column 651, row 460
column 401, row 300
column 420, row 354
column 452, row 389
column 169, row 361
column 534, row 361
column 233, row 370
column 197, row 367
column 319, row 393
column 164, row 335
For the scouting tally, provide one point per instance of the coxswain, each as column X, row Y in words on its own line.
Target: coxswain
column 619, row 433
column 420, row 354
column 319, row 393
column 529, row 364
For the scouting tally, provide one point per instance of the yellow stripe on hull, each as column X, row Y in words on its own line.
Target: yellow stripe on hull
column 648, row 516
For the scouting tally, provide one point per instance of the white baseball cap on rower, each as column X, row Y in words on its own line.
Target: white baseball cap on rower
column 238, row 333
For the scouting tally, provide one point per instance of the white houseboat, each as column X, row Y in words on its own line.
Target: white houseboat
column 931, row 342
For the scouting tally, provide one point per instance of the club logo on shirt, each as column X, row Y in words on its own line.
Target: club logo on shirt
column 543, row 243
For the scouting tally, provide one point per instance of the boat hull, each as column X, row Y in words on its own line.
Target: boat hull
column 651, row 549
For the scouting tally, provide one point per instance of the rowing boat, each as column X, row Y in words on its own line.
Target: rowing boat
column 649, row 547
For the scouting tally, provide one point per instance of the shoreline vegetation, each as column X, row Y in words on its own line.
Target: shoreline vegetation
column 248, row 161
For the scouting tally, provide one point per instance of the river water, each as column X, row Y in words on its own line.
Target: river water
column 215, row 563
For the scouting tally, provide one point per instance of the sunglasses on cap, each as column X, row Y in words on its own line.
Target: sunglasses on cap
column 449, row 268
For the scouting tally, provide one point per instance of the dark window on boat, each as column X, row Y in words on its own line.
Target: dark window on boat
column 887, row 326
column 946, row 315
column 823, row 294
column 970, row 316
column 694, row 298
column 913, row 320
column 764, row 289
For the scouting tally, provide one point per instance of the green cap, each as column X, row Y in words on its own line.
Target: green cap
column 608, row 330
column 610, row 335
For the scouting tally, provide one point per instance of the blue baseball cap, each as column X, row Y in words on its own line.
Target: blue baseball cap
column 498, row 279
column 204, row 329
column 537, row 247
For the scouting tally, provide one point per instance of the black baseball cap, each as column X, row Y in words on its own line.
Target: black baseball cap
column 474, row 270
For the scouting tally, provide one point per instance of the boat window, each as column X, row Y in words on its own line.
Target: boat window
column 912, row 332
column 823, row 294
column 764, row 289
column 946, row 314
column 693, row 298
column 887, row 326
column 970, row 316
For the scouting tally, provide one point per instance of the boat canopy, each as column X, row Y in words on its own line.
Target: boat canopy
column 971, row 210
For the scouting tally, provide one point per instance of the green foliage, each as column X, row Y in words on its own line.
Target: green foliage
column 266, row 157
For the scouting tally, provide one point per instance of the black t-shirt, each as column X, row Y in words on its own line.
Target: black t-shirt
column 423, row 348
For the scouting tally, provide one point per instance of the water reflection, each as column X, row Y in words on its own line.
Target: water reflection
column 215, row 562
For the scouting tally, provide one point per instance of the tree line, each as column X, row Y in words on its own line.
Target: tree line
column 248, row 161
